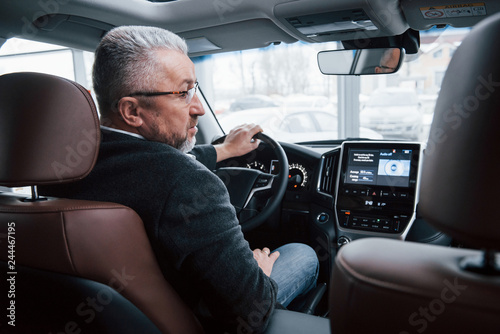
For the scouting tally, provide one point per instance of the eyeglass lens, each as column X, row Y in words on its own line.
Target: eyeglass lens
column 190, row 93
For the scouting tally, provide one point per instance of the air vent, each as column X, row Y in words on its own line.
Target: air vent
column 328, row 174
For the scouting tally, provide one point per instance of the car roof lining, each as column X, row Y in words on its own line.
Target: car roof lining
column 230, row 25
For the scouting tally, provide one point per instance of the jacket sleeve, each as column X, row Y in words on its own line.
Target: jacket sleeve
column 205, row 154
column 213, row 252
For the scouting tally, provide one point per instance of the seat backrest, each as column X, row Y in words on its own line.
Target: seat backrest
column 49, row 133
column 458, row 190
column 391, row 286
column 48, row 302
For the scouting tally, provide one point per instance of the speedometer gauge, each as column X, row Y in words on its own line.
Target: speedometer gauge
column 297, row 177
column 257, row 165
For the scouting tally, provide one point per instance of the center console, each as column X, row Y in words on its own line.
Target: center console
column 377, row 188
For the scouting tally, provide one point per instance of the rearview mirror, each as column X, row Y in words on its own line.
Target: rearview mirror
column 361, row 61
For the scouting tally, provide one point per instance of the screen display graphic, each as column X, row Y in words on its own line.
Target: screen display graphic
column 382, row 167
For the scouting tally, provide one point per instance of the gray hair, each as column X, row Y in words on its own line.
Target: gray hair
column 125, row 61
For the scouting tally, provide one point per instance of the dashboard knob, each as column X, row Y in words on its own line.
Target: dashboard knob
column 342, row 241
column 322, row 218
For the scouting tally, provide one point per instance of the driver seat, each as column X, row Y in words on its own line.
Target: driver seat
column 73, row 264
column 387, row 286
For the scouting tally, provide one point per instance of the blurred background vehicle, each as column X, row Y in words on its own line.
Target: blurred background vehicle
column 252, row 101
column 309, row 101
column 393, row 112
column 292, row 125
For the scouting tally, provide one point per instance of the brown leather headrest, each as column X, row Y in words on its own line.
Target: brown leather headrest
column 49, row 130
column 460, row 175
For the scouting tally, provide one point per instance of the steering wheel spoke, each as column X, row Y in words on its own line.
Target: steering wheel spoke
column 263, row 183
column 256, row 195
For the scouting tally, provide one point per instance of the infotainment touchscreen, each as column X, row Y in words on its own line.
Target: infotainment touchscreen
column 381, row 167
column 377, row 188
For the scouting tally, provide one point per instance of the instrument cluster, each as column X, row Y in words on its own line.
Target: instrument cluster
column 298, row 176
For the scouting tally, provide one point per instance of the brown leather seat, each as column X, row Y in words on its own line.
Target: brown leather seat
column 49, row 133
column 386, row 286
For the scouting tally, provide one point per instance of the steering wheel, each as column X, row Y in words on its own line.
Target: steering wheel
column 254, row 194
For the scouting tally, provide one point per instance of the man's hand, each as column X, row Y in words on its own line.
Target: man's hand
column 238, row 142
column 265, row 259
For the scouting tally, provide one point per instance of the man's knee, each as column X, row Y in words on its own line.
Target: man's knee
column 307, row 257
column 313, row 262
column 307, row 252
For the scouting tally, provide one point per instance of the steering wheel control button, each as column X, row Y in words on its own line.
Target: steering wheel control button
column 262, row 182
column 323, row 217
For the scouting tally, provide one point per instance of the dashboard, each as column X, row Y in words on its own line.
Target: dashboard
column 342, row 192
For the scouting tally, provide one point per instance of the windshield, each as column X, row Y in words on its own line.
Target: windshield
column 392, row 98
column 281, row 88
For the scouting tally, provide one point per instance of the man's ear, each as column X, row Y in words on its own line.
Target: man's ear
column 128, row 110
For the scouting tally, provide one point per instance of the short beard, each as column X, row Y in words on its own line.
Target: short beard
column 183, row 144
column 188, row 145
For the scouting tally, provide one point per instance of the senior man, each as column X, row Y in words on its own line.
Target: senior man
column 146, row 90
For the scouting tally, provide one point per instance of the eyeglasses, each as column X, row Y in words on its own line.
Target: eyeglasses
column 187, row 94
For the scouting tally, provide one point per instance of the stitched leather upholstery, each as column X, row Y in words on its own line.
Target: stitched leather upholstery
column 388, row 286
column 48, row 130
column 49, row 133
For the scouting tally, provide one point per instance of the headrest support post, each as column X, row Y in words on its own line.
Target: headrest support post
column 486, row 264
column 34, row 193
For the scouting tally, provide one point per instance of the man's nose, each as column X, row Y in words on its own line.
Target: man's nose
column 196, row 107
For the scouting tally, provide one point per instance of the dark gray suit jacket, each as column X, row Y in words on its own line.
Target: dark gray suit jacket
column 190, row 222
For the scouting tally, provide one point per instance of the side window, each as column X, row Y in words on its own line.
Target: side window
column 56, row 62
column 18, row 55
